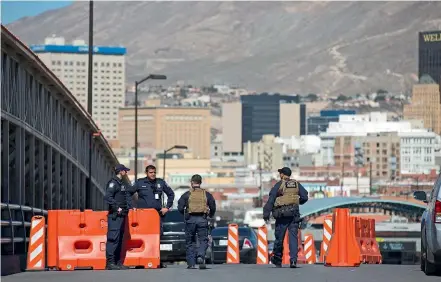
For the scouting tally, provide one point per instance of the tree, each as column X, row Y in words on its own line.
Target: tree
column 312, row 97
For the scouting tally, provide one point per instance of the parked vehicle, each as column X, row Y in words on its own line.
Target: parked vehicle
column 247, row 245
column 172, row 245
column 431, row 229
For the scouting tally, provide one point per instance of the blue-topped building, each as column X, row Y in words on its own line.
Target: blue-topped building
column 69, row 62
column 84, row 49
column 318, row 124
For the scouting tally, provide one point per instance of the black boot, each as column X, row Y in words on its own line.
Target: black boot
column 201, row 262
column 293, row 264
column 276, row 261
column 110, row 265
column 122, row 266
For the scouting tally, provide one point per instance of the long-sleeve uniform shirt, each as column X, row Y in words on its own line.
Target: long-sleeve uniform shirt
column 303, row 194
column 150, row 193
column 117, row 195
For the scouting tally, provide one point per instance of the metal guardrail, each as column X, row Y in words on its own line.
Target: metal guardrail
column 15, row 223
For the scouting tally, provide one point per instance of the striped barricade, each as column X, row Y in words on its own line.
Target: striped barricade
column 262, row 245
column 310, row 249
column 233, row 254
column 37, row 244
column 327, row 234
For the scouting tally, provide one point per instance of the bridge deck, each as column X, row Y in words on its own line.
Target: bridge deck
column 252, row 273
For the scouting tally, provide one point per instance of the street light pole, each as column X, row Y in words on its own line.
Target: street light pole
column 163, row 168
column 137, row 83
column 87, row 196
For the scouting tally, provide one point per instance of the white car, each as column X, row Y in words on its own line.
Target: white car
column 431, row 229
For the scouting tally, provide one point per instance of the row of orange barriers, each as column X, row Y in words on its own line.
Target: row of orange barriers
column 347, row 241
column 77, row 240
column 353, row 241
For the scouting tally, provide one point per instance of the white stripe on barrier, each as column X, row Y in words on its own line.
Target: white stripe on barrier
column 262, row 257
column 262, row 245
column 262, row 234
column 36, row 252
column 37, row 236
column 308, row 244
column 232, row 253
column 233, row 241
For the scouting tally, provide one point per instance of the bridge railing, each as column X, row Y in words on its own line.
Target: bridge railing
column 15, row 227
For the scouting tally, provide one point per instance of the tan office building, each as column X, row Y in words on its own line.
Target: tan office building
column 163, row 127
column 425, row 104
column 379, row 149
column 266, row 152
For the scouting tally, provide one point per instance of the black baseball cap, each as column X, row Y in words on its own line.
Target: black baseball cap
column 285, row 170
column 196, row 179
column 121, row 167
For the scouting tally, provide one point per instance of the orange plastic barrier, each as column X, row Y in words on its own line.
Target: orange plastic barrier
column 343, row 248
column 233, row 254
column 300, row 254
column 262, row 245
column 327, row 233
column 310, row 252
column 77, row 240
column 142, row 243
column 37, row 244
column 376, row 257
column 360, row 233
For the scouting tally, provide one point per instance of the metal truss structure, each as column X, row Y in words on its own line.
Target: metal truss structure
column 44, row 146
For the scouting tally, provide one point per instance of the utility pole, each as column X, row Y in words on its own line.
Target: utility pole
column 87, row 196
column 370, row 178
column 342, row 177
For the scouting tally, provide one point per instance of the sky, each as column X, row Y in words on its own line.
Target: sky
column 13, row 10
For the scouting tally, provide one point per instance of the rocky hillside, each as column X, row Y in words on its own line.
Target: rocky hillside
column 289, row 47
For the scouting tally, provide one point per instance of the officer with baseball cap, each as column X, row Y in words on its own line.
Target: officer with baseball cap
column 118, row 201
column 284, row 200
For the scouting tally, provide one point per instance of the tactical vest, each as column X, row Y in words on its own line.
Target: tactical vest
column 197, row 202
column 288, row 194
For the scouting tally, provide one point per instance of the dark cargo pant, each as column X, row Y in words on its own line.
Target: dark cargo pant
column 115, row 235
column 282, row 226
column 196, row 226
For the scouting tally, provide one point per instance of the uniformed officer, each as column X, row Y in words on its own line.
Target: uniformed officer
column 196, row 205
column 150, row 190
column 117, row 198
column 284, row 200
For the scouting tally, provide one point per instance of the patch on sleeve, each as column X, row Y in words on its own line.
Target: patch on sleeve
column 111, row 184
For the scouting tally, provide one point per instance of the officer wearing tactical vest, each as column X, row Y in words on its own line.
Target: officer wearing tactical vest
column 118, row 200
column 196, row 205
column 284, row 200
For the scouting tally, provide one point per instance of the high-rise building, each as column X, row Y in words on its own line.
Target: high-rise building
column 163, row 127
column 70, row 64
column 425, row 104
column 429, row 55
column 258, row 115
column 319, row 124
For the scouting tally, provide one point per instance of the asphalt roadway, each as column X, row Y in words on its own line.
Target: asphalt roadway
column 231, row 273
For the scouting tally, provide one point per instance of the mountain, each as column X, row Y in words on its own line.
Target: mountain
column 287, row 47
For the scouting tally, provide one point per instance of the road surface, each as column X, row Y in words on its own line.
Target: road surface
column 251, row 273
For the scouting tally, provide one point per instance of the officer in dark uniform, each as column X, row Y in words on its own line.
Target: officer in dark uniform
column 117, row 198
column 284, row 200
column 196, row 205
column 150, row 191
